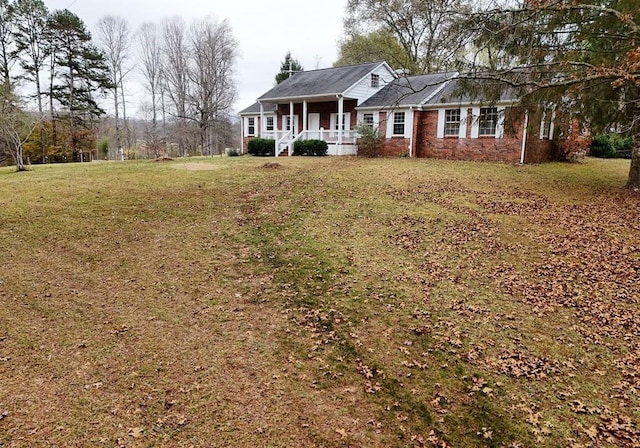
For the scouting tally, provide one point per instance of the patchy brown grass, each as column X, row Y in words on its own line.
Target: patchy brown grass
column 338, row 302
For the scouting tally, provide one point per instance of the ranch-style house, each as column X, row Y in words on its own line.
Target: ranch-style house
column 417, row 116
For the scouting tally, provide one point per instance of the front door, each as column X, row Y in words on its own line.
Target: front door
column 286, row 123
column 314, row 126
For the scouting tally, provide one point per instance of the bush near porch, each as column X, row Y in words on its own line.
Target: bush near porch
column 262, row 147
column 310, row 148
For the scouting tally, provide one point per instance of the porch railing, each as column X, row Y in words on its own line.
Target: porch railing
column 283, row 140
column 330, row 136
column 286, row 139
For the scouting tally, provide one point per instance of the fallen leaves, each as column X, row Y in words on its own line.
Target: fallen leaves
column 521, row 365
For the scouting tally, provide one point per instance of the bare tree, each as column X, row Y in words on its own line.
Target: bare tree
column 211, row 74
column 176, row 66
column 150, row 57
column 31, row 42
column 114, row 40
column 425, row 29
column 16, row 126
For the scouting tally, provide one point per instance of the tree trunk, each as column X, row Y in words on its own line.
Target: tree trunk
column 634, row 173
column 43, row 148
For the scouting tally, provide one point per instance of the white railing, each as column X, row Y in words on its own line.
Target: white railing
column 283, row 142
column 286, row 139
column 329, row 136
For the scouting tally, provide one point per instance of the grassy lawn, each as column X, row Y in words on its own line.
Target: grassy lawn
column 319, row 302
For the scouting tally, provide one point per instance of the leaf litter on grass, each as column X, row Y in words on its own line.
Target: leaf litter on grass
column 359, row 306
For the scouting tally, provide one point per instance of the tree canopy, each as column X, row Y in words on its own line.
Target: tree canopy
column 379, row 45
column 421, row 35
column 581, row 57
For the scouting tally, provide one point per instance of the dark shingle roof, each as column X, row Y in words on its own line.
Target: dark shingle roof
column 328, row 81
column 255, row 108
column 461, row 91
column 439, row 88
column 408, row 91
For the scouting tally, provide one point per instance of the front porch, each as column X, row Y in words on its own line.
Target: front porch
column 323, row 119
column 339, row 145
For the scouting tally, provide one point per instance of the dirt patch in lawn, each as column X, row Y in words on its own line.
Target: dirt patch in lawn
column 196, row 166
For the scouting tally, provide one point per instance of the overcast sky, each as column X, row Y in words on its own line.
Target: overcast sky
column 265, row 31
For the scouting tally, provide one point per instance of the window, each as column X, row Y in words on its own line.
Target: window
column 269, row 123
column 375, row 80
column 251, row 128
column 368, row 120
column 488, row 120
column 452, row 122
column 546, row 125
column 288, row 125
column 398, row 123
column 335, row 126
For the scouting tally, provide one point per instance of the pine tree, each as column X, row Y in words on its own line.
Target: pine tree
column 289, row 67
column 81, row 71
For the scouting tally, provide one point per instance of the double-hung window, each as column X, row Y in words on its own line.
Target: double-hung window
column 398, row 123
column 269, row 123
column 488, row 121
column 452, row 122
column 367, row 119
column 375, row 80
column 251, row 126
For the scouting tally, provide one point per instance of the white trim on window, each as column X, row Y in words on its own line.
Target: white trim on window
column 475, row 124
column 375, row 80
column 347, row 121
column 399, row 119
column 440, row 128
column 500, row 123
column 285, row 122
column 463, row 122
column 375, row 115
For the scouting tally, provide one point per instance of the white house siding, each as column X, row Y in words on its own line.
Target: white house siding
column 362, row 91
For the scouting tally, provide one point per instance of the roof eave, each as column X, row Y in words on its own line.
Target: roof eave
column 300, row 98
column 470, row 104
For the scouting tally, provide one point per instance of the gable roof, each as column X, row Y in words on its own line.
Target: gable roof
column 324, row 82
column 255, row 108
column 468, row 91
column 439, row 89
column 409, row 90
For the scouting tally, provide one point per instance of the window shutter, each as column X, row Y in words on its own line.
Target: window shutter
column 463, row 123
column 475, row 122
column 500, row 123
column 441, row 116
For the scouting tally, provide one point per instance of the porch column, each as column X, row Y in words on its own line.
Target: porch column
column 291, row 126
column 304, row 116
column 340, row 118
column 261, row 127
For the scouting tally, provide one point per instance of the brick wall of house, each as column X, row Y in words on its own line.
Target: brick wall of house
column 245, row 143
column 506, row 149
column 394, row 147
column 540, row 151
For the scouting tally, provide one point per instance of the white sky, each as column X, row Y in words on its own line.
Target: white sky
column 265, row 30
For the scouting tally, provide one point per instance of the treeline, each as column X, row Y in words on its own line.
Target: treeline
column 54, row 74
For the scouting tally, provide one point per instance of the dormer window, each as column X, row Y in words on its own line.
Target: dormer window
column 375, row 80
